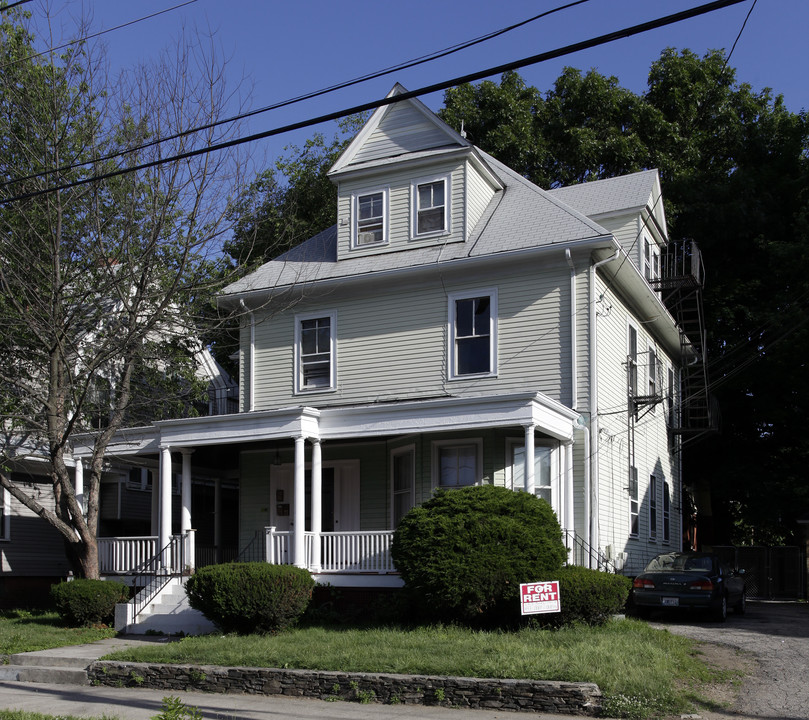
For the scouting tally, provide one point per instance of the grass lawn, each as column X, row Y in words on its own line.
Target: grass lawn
column 640, row 670
column 24, row 631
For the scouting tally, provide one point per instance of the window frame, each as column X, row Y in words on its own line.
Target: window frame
column 299, row 387
column 415, row 209
column 554, row 460
column 411, row 490
column 651, row 260
column 356, row 197
column 666, row 512
column 439, row 445
column 652, row 508
column 632, row 359
column 452, row 335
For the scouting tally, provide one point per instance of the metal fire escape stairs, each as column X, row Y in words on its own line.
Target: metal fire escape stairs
column 680, row 285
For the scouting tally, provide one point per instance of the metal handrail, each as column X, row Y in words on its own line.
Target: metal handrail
column 158, row 574
column 576, row 542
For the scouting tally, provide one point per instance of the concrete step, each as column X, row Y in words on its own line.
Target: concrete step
column 43, row 674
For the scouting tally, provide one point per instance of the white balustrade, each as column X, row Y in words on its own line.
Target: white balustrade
column 120, row 555
column 359, row 551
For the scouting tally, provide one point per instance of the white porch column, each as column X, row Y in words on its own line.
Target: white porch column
column 317, row 502
column 165, row 505
column 529, row 459
column 185, row 512
column 78, row 483
column 299, row 504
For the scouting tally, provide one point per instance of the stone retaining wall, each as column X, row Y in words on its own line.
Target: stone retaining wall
column 479, row 693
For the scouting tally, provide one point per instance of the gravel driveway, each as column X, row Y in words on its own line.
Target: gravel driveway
column 777, row 635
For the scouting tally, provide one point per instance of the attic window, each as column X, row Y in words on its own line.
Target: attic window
column 430, row 216
column 370, row 213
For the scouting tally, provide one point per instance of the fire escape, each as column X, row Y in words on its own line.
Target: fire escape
column 680, row 285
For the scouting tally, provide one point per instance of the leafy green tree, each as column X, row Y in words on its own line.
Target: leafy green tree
column 97, row 277
column 734, row 167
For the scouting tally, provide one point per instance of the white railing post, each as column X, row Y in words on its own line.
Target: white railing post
column 269, row 544
column 191, row 551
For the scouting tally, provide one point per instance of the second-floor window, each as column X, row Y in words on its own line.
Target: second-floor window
column 472, row 326
column 315, row 349
column 430, row 207
column 370, row 218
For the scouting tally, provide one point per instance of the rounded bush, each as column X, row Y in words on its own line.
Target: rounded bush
column 588, row 596
column 250, row 597
column 463, row 553
column 88, row 602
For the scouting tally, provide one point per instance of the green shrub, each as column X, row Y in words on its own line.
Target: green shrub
column 587, row 596
column 250, row 597
column 463, row 553
column 88, row 602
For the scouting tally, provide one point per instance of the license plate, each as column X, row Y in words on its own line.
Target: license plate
column 671, row 602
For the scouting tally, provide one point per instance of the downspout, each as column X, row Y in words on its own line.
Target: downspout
column 591, row 432
column 574, row 382
column 252, row 374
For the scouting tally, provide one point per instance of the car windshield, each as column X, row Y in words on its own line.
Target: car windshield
column 676, row 562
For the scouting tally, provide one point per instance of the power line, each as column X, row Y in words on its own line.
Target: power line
column 406, row 65
column 436, row 87
column 91, row 36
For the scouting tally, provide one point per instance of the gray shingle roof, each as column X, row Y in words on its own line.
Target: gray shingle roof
column 611, row 195
column 521, row 216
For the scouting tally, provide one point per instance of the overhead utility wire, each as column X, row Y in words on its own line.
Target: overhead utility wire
column 406, row 65
column 471, row 77
column 93, row 35
column 13, row 5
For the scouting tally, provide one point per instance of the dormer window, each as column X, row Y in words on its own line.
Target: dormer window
column 370, row 218
column 430, row 209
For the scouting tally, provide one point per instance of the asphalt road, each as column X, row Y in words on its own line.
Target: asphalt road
column 777, row 635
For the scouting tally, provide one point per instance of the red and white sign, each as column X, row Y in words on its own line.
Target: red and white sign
column 541, row 597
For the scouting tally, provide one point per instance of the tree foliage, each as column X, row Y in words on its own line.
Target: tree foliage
column 734, row 167
column 97, row 277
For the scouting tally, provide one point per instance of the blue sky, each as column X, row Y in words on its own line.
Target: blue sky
column 284, row 49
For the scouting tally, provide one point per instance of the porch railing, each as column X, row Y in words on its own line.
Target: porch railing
column 584, row 554
column 139, row 555
column 358, row 551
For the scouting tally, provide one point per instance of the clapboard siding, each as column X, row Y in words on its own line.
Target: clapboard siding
column 34, row 547
column 643, row 442
column 403, row 129
column 254, row 495
column 479, row 194
column 627, row 231
column 394, row 345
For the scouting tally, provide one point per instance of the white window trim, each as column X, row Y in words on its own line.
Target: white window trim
column 491, row 293
column 437, row 445
column 299, row 389
column 653, row 505
column 414, row 206
column 6, row 534
column 666, row 513
column 355, row 215
column 632, row 363
column 636, row 500
column 556, row 466
column 394, row 453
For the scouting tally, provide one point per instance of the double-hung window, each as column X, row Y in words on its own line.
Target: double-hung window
column 403, row 469
column 473, row 342
column 370, row 218
column 634, row 524
column 315, row 351
column 652, row 507
column 632, row 360
column 430, row 207
column 545, row 470
column 666, row 512
column 457, row 464
column 651, row 260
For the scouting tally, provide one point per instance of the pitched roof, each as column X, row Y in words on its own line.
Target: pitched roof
column 600, row 197
column 519, row 217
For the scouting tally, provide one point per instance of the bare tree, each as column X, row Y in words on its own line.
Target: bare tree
column 97, row 277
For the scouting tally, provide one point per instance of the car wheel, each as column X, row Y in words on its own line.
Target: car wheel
column 740, row 606
column 720, row 613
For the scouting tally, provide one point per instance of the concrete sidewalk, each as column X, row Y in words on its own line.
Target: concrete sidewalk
column 143, row 704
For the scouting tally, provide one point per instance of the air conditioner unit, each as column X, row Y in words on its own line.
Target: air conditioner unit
column 366, row 238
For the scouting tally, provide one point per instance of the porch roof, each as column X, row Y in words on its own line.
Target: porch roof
column 339, row 423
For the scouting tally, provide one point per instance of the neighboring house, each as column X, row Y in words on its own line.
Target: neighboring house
column 32, row 552
column 457, row 326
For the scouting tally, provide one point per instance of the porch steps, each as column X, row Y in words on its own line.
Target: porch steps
column 169, row 614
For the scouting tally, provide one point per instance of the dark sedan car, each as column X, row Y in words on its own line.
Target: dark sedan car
column 691, row 581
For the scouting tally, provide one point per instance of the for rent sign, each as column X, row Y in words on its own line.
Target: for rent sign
column 542, row 597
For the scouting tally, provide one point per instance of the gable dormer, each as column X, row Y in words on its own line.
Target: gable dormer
column 408, row 180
